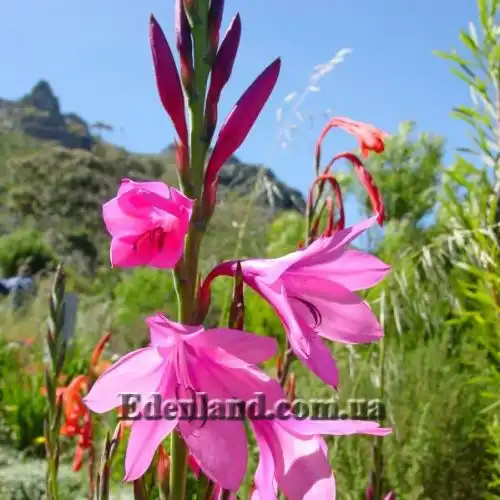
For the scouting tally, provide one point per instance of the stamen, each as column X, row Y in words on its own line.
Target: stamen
column 155, row 237
column 315, row 312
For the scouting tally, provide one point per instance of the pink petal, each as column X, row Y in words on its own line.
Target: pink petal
column 278, row 298
column 140, row 372
column 353, row 269
column 344, row 317
column 325, row 249
column 118, row 223
column 310, row 427
column 165, row 332
column 266, row 487
column 320, row 362
column 320, row 251
column 145, row 437
column 302, row 468
column 249, row 347
column 244, row 382
column 219, row 446
column 123, row 253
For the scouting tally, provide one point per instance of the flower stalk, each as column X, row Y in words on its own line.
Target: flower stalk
column 57, row 350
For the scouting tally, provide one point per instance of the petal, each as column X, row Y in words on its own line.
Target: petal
column 219, row 446
column 302, row 468
column 165, row 332
column 245, row 382
column 118, row 223
column 311, row 427
column 266, row 487
column 320, row 251
column 353, row 269
column 145, row 437
column 171, row 252
column 325, row 249
column 343, row 316
column 123, row 252
column 249, row 347
column 320, row 362
column 278, row 298
column 139, row 372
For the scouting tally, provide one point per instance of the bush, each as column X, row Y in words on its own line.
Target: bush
column 20, row 246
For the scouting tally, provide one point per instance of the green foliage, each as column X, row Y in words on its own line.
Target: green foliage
column 144, row 291
column 408, row 172
column 18, row 247
column 22, row 407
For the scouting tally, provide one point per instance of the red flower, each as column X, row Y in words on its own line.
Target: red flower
column 370, row 137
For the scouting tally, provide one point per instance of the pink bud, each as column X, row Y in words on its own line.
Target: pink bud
column 214, row 21
column 241, row 119
column 167, row 79
column 221, row 73
column 184, row 45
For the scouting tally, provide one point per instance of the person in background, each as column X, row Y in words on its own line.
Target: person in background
column 19, row 287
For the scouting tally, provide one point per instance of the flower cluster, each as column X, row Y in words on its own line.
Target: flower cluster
column 312, row 290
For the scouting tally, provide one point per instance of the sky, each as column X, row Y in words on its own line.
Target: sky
column 97, row 58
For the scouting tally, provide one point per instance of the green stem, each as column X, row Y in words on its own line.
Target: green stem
column 185, row 275
column 197, row 100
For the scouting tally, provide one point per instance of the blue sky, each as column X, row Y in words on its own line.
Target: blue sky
column 96, row 56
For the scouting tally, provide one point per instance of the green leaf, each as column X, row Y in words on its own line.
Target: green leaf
column 467, row 40
column 483, row 13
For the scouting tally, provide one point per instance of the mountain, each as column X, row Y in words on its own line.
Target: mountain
column 55, row 174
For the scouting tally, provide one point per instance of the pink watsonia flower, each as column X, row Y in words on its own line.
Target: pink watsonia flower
column 312, row 291
column 180, row 362
column 294, row 456
column 167, row 80
column 221, row 72
column 237, row 125
column 148, row 222
column 370, row 138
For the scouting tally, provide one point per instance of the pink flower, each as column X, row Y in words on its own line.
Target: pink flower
column 181, row 361
column 238, row 124
column 293, row 456
column 148, row 222
column 312, row 292
column 167, row 79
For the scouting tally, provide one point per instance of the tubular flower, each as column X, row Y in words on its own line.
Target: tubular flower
column 237, row 126
column 180, row 362
column 294, row 458
column 148, row 222
column 77, row 421
column 312, row 292
column 167, row 79
column 370, row 137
